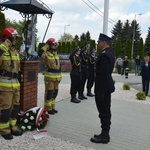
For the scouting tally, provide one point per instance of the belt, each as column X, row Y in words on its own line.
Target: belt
column 54, row 70
column 9, row 81
column 9, row 74
column 51, row 73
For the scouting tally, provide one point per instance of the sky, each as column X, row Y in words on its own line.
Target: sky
column 76, row 17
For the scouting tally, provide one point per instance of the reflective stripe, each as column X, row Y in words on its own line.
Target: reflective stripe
column 52, row 75
column 52, row 57
column 4, row 125
column 9, row 85
column 48, row 103
column 7, row 54
column 9, row 81
column 5, row 48
column 12, row 57
column 13, row 122
column 53, row 102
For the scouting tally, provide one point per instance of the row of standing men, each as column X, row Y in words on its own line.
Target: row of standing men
column 83, row 69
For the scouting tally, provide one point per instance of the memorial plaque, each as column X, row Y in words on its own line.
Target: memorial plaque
column 31, row 76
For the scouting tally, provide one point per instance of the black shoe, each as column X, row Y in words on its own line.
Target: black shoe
column 55, row 111
column 90, row 94
column 100, row 139
column 7, row 136
column 84, row 97
column 16, row 133
column 80, row 97
column 74, row 100
column 51, row 112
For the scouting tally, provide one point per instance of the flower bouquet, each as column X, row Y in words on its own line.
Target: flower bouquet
column 34, row 118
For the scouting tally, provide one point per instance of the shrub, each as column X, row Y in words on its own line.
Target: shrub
column 141, row 96
column 126, row 86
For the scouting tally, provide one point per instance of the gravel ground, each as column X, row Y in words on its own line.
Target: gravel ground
column 26, row 141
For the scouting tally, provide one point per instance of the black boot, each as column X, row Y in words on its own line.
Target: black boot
column 74, row 99
column 51, row 112
column 7, row 136
column 55, row 111
column 84, row 96
column 89, row 93
column 101, row 138
column 80, row 96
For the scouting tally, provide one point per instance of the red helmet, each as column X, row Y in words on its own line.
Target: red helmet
column 9, row 32
column 51, row 41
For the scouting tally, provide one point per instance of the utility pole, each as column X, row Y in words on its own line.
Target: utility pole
column 105, row 19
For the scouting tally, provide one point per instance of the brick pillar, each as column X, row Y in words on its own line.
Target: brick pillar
column 29, row 85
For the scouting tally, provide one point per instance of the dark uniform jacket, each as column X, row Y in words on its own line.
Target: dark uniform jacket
column 84, row 62
column 76, row 64
column 92, row 63
column 145, row 70
column 104, row 68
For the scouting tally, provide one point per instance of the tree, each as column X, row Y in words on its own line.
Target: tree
column 2, row 21
column 123, row 32
column 88, row 37
column 117, row 31
column 126, row 32
column 128, row 48
column 140, row 49
column 66, row 37
column 147, row 42
column 83, row 37
column 76, row 38
column 118, row 48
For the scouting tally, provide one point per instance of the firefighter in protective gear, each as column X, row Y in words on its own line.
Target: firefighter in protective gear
column 9, row 84
column 52, row 74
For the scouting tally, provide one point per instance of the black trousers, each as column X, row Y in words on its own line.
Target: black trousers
column 75, row 84
column 83, row 81
column 90, row 81
column 145, row 84
column 103, row 103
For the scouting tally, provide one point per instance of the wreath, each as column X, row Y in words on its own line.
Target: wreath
column 34, row 118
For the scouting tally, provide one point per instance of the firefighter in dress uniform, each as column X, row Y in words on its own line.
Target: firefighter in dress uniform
column 104, row 86
column 75, row 74
column 9, row 84
column 52, row 74
column 84, row 71
column 91, row 68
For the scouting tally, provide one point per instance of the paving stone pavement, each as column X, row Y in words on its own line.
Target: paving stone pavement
column 130, row 129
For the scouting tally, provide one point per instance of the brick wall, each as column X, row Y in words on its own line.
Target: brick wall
column 29, row 85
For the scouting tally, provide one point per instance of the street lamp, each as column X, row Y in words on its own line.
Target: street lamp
column 65, row 30
column 133, row 36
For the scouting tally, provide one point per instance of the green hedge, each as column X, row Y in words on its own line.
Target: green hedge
column 67, row 47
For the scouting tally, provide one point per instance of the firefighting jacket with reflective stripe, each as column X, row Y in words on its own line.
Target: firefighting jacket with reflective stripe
column 52, row 64
column 9, row 66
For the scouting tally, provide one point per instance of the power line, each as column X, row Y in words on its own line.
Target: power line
column 92, row 8
column 96, row 11
column 99, row 10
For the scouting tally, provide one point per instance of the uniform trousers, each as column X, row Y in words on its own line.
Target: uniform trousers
column 9, row 107
column 145, row 84
column 51, row 92
column 103, row 103
column 75, row 85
